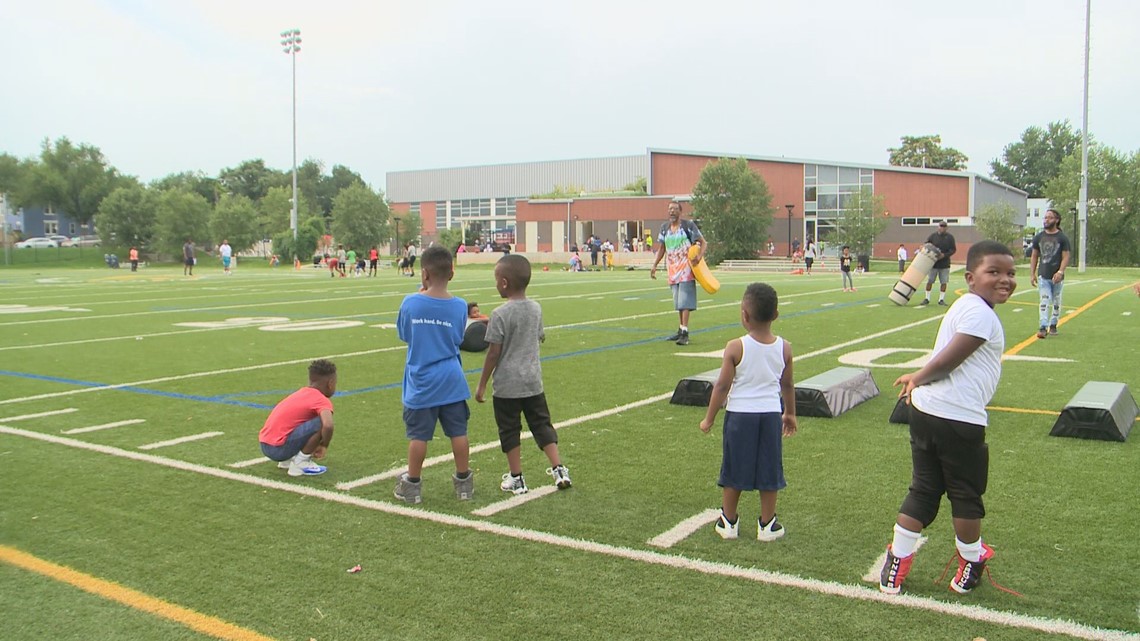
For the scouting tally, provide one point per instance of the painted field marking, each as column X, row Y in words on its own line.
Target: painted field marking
column 1066, row 318
column 872, row 305
column 515, row 501
column 828, row 588
column 874, row 574
column 104, row 426
column 482, row 447
column 24, row 417
column 1126, row 314
column 203, row 623
column 684, row 529
column 179, row 441
column 1017, row 310
column 250, row 462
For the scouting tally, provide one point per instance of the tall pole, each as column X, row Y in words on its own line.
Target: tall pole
column 291, row 41
column 789, row 229
column 1083, row 199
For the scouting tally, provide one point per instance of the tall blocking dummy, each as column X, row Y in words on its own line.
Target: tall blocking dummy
column 917, row 272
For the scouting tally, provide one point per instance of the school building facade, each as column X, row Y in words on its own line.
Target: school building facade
column 808, row 196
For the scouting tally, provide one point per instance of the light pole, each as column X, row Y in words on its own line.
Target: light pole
column 790, row 207
column 396, row 219
column 291, row 41
column 1076, row 232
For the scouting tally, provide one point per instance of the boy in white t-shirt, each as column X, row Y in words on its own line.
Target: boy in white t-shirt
column 948, row 398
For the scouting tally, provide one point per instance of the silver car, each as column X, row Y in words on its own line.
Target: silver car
column 37, row 242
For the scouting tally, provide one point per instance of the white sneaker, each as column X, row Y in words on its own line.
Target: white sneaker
column 284, row 465
column 769, row 532
column 725, row 529
column 513, row 484
column 306, row 467
column 561, row 476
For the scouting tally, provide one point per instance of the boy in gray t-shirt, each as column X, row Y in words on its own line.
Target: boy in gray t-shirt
column 513, row 335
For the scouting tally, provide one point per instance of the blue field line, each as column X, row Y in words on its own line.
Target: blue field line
column 230, row 399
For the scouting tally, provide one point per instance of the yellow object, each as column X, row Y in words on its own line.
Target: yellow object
column 701, row 271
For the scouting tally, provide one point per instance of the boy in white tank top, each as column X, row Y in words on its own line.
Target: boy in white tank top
column 755, row 386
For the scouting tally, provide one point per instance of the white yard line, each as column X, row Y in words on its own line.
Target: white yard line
column 874, row 574
column 678, row 562
column 250, row 462
column 24, row 417
column 515, row 501
column 104, row 426
column 482, row 447
column 180, row 441
column 684, row 529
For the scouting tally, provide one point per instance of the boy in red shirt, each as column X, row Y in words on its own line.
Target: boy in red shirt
column 300, row 427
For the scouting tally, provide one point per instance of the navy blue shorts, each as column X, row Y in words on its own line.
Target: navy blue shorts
column 753, row 452
column 297, row 439
column 420, row 424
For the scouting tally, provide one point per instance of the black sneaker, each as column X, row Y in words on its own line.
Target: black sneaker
column 683, row 339
column 943, row 303
column 1052, row 330
column 675, row 337
column 924, row 302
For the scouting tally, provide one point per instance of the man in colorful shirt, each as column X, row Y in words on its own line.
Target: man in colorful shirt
column 673, row 244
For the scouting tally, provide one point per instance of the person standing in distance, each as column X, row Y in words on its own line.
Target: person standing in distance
column 227, row 254
column 901, row 254
column 673, row 244
column 188, row 258
column 1048, row 258
column 944, row 241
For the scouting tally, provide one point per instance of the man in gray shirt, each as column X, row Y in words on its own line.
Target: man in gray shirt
column 513, row 335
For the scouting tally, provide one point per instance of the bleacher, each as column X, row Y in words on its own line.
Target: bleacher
column 774, row 265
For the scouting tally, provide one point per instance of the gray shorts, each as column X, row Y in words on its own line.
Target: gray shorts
column 419, row 425
column 943, row 276
column 685, row 295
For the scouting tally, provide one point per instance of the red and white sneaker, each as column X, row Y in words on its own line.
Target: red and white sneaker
column 894, row 572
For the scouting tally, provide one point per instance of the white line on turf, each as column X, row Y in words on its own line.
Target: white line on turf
column 684, row 529
column 829, row 588
column 24, row 417
column 444, row 458
column 515, row 501
column 250, row 462
column 179, row 441
column 873, row 574
column 104, row 426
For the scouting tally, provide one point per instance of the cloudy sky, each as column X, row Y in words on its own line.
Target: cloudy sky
column 163, row 86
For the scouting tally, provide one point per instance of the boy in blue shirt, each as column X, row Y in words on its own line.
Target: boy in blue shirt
column 431, row 322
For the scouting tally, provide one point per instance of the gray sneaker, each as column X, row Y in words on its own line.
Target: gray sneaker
column 464, row 488
column 407, row 491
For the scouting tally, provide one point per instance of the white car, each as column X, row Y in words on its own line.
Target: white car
column 62, row 241
column 38, row 243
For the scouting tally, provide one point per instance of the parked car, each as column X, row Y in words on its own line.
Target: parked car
column 85, row 241
column 62, row 241
column 37, row 242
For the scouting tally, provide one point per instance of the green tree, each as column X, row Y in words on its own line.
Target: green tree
column 450, row 238
column 862, row 220
column 734, row 207
column 411, row 226
column 181, row 214
column 998, row 221
column 275, row 210
column 253, row 179
column 127, row 217
column 205, row 186
column 309, row 232
column 13, row 176
column 235, row 219
column 928, row 152
column 1114, row 204
column 1030, row 163
column 359, row 217
column 639, row 185
column 75, row 179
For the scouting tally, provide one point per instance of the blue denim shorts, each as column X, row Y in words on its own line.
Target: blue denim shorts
column 685, row 295
column 752, row 451
column 297, row 439
column 420, row 424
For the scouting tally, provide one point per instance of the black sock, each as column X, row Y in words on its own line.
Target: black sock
column 413, row 479
column 464, row 476
column 517, row 476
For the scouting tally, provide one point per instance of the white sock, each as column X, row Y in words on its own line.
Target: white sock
column 905, row 541
column 302, row 458
column 684, row 328
column 942, row 297
column 969, row 551
column 928, row 295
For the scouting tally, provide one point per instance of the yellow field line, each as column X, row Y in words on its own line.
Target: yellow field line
column 1064, row 319
column 205, row 624
column 1018, row 410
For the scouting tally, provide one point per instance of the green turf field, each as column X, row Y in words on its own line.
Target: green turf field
column 131, row 403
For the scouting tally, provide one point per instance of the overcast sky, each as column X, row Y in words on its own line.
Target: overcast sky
column 163, row 86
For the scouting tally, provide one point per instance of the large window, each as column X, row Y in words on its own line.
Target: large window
column 828, row 189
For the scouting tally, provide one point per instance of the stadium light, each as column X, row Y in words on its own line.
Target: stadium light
column 291, row 43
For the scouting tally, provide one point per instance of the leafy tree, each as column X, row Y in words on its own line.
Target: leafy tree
column 998, row 221
column 734, row 207
column 359, row 217
column 450, row 238
column 127, row 217
column 340, row 179
column 1034, row 160
column 309, row 232
column 253, row 179
column 235, row 219
column 863, row 219
column 1114, row 204
column 926, row 151
column 275, row 210
column 13, row 176
column 205, row 186
column 411, row 226
column 73, row 178
column 640, row 185
column 181, row 214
